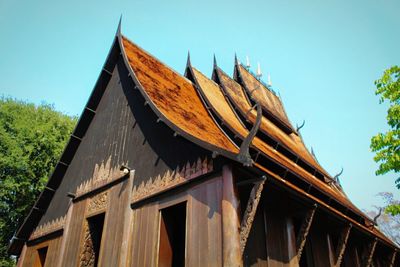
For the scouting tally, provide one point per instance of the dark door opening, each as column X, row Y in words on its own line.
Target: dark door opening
column 172, row 236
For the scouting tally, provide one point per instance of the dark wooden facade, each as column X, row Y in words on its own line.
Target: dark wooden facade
column 166, row 170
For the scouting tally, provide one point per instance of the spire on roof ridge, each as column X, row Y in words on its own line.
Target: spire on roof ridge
column 118, row 33
column 269, row 83
column 188, row 62
column 237, row 63
column 215, row 61
column 248, row 63
column 259, row 73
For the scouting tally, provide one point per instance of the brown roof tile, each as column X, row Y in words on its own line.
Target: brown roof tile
column 268, row 100
column 216, row 99
column 175, row 98
column 238, row 97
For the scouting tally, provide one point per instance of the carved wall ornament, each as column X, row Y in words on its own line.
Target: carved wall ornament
column 304, row 230
column 251, row 209
column 392, row 259
column 170, row 179
column 48, row 228
column 344, row 236
column 88, row 256
column 103, row 174
column 97, row 203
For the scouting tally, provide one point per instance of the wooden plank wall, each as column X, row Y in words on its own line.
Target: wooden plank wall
column 123, row 132
column 114, row 231
column 75, row 230
column 203, row 240
column 31, row 255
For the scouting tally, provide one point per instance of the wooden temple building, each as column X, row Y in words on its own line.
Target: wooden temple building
column 165, row 169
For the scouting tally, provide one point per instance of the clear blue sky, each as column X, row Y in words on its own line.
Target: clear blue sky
column 323, row 57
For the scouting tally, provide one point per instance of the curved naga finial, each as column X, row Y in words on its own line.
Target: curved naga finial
column 301, row 126
column 244, row 153
column 336, row 177
column 377, row 216
column 313, row 154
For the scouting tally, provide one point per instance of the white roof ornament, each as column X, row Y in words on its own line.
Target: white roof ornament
column 247, row 62
column 259, row 73
column 269, row 83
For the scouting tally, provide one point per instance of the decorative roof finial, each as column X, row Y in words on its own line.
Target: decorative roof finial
column 215, row 61
column 269, row 83
column 336, row 177
column 301, row 126
column 259, row 73
column 236, row 60
column 188, row 63
column 247, row 63
column 118, row 33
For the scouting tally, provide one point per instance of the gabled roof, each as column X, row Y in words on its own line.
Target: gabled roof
column 269, row 101
column 238, row 97
column 176, row 101
column 215, row 99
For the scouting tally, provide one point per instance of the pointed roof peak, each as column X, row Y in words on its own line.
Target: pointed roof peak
column 188, row 62
column 118, row 33
column 236, row 60
column 215, row 62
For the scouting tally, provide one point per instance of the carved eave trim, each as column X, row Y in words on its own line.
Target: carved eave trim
column 170, row 179
column 98, row 182
column 48, row 228
column 304, row 230
column 251, row 209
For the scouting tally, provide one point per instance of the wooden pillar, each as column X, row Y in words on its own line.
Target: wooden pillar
column 65, row 234
column 127, row 220
column 21, row 258
column 230, row 220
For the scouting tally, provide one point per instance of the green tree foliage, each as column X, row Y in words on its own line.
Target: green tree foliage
column 387, row 145
column 31, row 141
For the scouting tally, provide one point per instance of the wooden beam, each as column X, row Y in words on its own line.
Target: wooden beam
column 304, row 230
column 392, row 259
column 370, row 254
column 249, row 214
column 341, row 247
column 230, row 220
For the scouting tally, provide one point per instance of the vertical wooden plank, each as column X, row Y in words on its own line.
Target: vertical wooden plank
column 153, row 234
column 194, row 231
column 135, row 237
column 230, row 220
column 67, row 229
column 127, row 221
column 214, row 222
column 291, row 243
column 191, row 231
column 22, row 256
column 255, row 253
column 322, row 247
column 73, row 242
